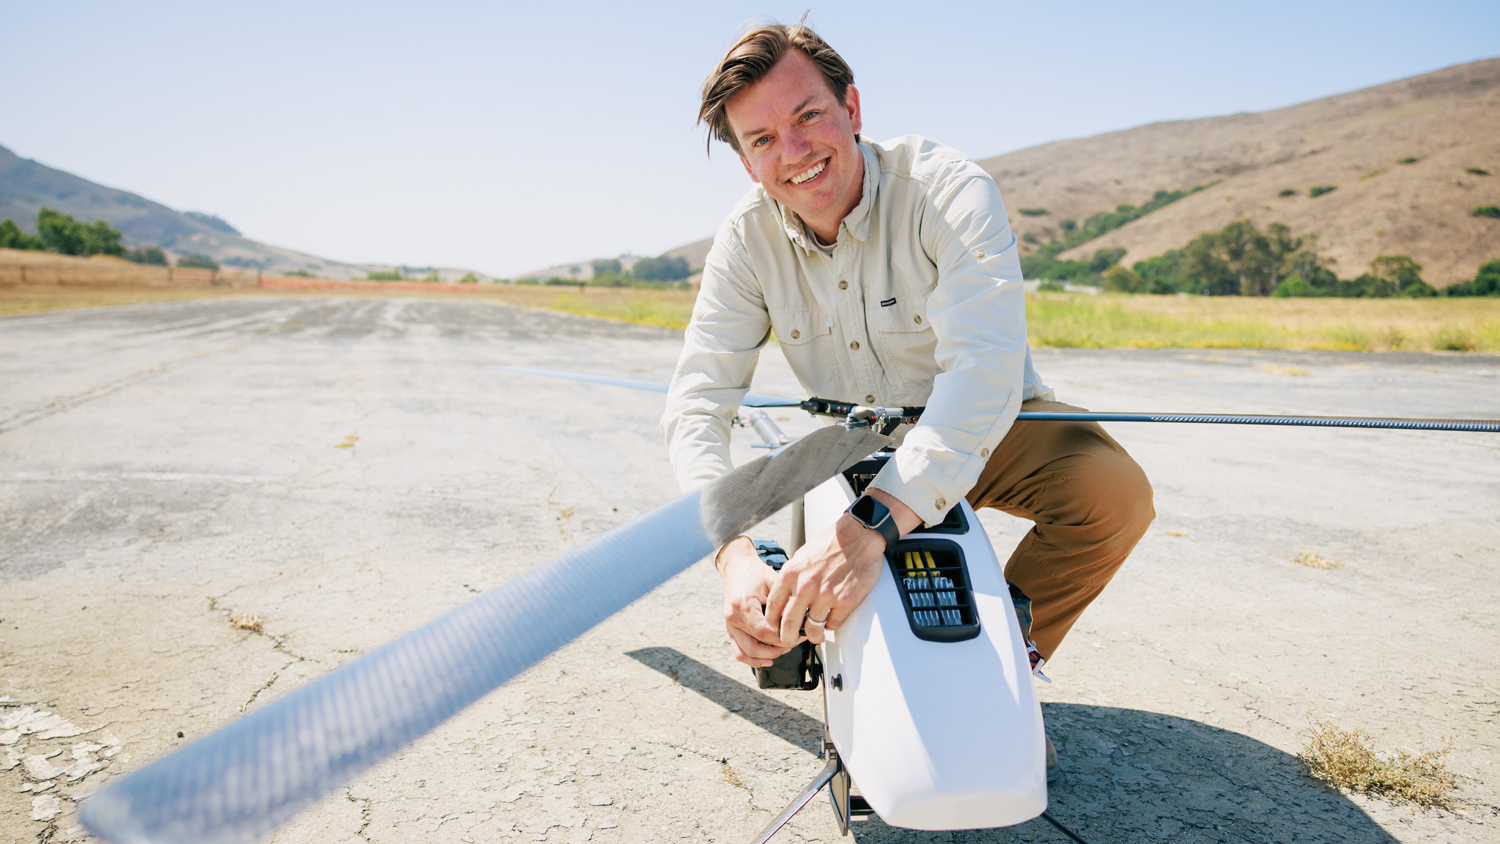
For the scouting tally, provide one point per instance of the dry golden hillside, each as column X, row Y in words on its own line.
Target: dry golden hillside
column 1448, row 120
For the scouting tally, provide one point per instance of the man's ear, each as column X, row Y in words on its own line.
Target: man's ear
column 746, row 164
column 851, row 104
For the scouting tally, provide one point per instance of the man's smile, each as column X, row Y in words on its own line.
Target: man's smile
column 810, row 173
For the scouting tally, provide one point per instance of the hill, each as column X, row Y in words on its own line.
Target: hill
column 27, row 186
column 1447, row 121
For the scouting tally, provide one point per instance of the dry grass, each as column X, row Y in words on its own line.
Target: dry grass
column 1344, row 758
column 245, row 621
column 1064, row 320
column 348, row 442
column 1313, row 561
column 1229, row 322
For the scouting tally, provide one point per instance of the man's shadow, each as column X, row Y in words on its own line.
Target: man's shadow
column 1128, row 775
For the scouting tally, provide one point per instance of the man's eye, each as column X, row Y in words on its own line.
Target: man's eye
column 762, row 141
column 810, row 115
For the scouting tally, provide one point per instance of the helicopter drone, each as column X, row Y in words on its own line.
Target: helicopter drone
column 928, row 698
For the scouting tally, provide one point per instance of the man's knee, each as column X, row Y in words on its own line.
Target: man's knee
column 1118, row 496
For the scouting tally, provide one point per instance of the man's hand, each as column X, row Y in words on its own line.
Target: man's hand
column 830, row 576
column 747, row 585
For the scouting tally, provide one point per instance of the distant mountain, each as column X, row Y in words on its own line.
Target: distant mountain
column 1447, row 124
column 26, row 187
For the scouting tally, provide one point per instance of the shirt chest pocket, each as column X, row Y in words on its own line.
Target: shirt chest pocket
column 800, row 326
column 903, row 317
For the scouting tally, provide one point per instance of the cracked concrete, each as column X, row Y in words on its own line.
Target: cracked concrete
column 344, row 470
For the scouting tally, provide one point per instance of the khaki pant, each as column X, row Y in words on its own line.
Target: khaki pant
column 1090, row 501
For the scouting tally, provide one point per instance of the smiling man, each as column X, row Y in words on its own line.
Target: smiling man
column 890, row 276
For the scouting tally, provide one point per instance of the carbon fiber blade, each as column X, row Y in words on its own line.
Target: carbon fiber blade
column 750, row 400
column 245, row 779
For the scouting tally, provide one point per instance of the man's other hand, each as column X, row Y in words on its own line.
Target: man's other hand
column 747, row 586
column 830, row 576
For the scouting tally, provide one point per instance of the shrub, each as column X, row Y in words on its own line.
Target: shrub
column 1407, row 160
column 194, row 261
column 469, row 278
column 607, row 266
column 1477, row 171
column 1288, row 192
column 148, row 255
column 1316, row 192
column 385, row 275
column 1485, row 211
column 1485, row 283
column 1034, row 212
column 661, row 269
column 1344, row 758
column 299, row 274
column 1121, row 280
column 62, row 234
column 1372, row 174
column 1295, row 287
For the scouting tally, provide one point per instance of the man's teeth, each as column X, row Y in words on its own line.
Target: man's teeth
column 811, row 171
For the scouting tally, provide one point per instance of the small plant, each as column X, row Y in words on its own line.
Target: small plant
column 469, row 278
column 1316, row 192
column 1345, row 759
column 385, row 275
column 1034, row 212
column 245, row 621
column 1477, row 171
column 348, row 442
column 298, row 274
column 1450, row 338
column 1288, row 192
column 1485, row 211
column 1372, row 174
column 1313, row 561
column 1407, row 160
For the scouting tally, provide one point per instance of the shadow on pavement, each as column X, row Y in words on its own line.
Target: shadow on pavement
column 1129, row 775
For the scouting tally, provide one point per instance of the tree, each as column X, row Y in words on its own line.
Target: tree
column 194, row 261
column 64, row 235
column 661, row 269
column 607, row 266
column 146, row 255
column 11, row 237
column 1400, row 270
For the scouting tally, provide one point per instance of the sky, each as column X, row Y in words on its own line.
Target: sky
column 508, row 137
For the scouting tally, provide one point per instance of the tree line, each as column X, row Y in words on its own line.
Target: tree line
column 60, row 234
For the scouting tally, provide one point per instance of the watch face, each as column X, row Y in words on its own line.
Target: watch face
column 869, row 511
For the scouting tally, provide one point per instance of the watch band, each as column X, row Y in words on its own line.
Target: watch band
column 873, row 515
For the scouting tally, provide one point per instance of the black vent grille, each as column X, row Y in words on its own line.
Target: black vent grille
column 934, row 585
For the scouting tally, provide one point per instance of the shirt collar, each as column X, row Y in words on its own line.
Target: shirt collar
column 856, row 222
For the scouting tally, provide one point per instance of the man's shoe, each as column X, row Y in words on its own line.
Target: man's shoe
column 1054, row 772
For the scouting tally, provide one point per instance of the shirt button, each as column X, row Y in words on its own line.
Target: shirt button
column 941, row 504
column 843, row 285
column 869, row 399
column 979, row 254
column 796, row 334
column 984, row 452
column 854, row 345
column 919, row 319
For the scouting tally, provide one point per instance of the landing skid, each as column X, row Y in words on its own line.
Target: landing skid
column 846, row 807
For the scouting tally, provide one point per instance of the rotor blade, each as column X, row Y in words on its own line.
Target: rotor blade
column 243, row 780
column 1490, row 425
column 750, row 400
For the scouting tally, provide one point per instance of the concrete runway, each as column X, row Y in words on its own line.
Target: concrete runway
column 344, row 469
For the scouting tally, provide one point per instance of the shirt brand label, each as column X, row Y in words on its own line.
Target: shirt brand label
column 888, row 302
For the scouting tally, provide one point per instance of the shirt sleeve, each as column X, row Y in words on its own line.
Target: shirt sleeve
column 720, row 348
column 978, row 314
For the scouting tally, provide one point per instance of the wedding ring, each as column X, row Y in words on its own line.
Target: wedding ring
column 813, row 621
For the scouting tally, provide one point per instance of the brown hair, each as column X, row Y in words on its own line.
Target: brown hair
column 752, row 57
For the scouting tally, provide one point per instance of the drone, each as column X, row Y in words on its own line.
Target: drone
column 929, row 702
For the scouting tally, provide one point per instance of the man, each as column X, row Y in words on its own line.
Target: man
column 890, row 276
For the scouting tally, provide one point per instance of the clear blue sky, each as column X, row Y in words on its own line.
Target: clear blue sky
column 505, row 137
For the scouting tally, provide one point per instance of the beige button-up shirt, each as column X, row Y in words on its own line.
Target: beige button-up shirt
column 919, row 303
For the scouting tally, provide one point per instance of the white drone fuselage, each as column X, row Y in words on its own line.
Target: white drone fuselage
column 937, row 735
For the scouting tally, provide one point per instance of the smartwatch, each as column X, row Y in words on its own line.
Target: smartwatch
column 872, row 515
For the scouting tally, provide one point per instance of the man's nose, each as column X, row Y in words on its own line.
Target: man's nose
column 794, row 147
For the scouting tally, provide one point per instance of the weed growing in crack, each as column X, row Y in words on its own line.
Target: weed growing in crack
column 1344, row 758
column 245, row 621
column 1313, row 561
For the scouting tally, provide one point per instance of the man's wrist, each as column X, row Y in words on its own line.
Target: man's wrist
column 721, row 559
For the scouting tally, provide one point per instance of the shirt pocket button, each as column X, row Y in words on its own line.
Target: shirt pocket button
column 919, row 319
column 854, row 345
column 796, row 334
column 843, row 285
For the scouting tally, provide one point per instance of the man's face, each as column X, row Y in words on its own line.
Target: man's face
column 798, row 143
